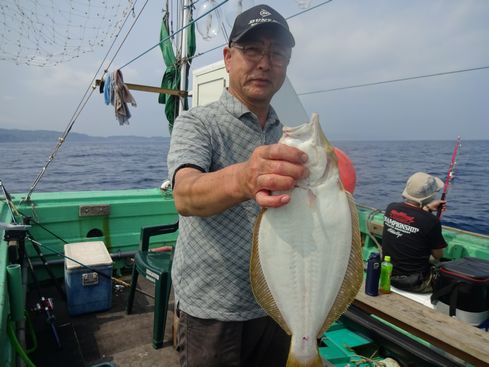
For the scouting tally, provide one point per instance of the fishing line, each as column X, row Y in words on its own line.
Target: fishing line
column 86, row 266
column 60, row 254
column 45, row 264
column 45, row 304
column 36, row 243
column 40, row 225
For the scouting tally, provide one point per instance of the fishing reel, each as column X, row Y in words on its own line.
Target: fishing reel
column 46, row 306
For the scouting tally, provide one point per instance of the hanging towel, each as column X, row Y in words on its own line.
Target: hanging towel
column 107, row 88
column 120, row 98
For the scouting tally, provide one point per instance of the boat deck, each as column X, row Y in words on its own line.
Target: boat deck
column 444, row 332
column 110, row 337
column 113, row 338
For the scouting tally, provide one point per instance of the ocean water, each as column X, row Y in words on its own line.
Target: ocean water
column 382, row 168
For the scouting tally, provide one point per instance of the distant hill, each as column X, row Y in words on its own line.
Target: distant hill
column 16, row 135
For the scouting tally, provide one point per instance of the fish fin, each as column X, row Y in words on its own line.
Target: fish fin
column 292, row 361
column 354, row 272
column 259, row 285
column 323, row 140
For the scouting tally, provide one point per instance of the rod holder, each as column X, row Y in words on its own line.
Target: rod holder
column 16, row 294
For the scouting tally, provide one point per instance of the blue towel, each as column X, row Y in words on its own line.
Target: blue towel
column 107, row 89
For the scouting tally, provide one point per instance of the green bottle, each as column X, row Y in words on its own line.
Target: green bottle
column 385, row 275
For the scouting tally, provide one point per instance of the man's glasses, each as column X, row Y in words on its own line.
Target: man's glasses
column 279, row 56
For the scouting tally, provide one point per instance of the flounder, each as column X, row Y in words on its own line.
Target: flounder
column 306, row 263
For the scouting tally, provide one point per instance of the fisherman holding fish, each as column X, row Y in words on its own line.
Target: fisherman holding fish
column 225, row 163
column 412, row 234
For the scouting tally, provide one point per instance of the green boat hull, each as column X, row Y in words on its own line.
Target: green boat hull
column 460, row 243
column 116, row 217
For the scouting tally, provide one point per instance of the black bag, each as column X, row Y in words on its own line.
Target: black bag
column 463, row 284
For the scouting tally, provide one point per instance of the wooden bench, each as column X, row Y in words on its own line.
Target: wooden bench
column 449, row 334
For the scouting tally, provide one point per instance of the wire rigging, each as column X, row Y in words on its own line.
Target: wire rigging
column 289, row 17
column 85, row 98
column 174, row 33
column 49, row 32
column 393, row 80
column 90, row 89
column 309, row 9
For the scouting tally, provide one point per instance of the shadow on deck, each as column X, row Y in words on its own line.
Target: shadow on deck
column 109, row 336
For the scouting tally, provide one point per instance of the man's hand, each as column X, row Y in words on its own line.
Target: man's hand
column 433, row 206
column 272, row 168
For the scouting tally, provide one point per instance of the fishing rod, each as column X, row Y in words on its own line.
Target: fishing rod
column 45, row 305
column 8, row 200
column 116, row 280
column 38, row 245
column 449, row 176
column 44, row 262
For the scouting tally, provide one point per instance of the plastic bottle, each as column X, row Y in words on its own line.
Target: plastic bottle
column 373, row 274
column 385, row 275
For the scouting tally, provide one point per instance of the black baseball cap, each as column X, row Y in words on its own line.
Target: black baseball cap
column 257, row 17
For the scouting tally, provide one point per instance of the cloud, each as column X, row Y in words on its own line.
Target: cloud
column 377, row 41
column 338, row 44
column 60, row 80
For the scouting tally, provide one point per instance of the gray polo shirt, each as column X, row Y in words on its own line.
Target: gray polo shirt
column 211, row 264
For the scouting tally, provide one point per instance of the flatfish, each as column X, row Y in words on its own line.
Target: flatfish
column 306, row 263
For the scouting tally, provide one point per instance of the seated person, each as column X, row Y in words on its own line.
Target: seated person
column 412, row 234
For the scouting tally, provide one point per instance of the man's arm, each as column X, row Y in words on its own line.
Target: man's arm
column 270, row 168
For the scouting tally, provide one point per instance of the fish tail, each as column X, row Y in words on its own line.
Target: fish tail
column 293, row 361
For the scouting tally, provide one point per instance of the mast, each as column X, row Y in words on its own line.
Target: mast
column 183, row 52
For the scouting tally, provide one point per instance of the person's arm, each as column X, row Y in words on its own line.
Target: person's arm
column 270, row 168
column 433, row 206
column 437, row 253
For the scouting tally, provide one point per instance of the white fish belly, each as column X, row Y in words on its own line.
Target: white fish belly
column 304, row 249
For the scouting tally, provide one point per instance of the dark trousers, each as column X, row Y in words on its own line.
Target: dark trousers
column 416, row 283
column 213, row 343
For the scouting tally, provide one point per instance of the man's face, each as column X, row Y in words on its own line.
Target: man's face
column 257, row 68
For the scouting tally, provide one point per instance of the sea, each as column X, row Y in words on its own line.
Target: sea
column 382, row 168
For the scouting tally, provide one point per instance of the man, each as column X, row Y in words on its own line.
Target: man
column 225, row 163
column 411, row 234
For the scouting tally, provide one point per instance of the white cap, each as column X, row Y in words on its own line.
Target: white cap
column 421, row 186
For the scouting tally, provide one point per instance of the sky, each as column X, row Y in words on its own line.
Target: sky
column 339, row 44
